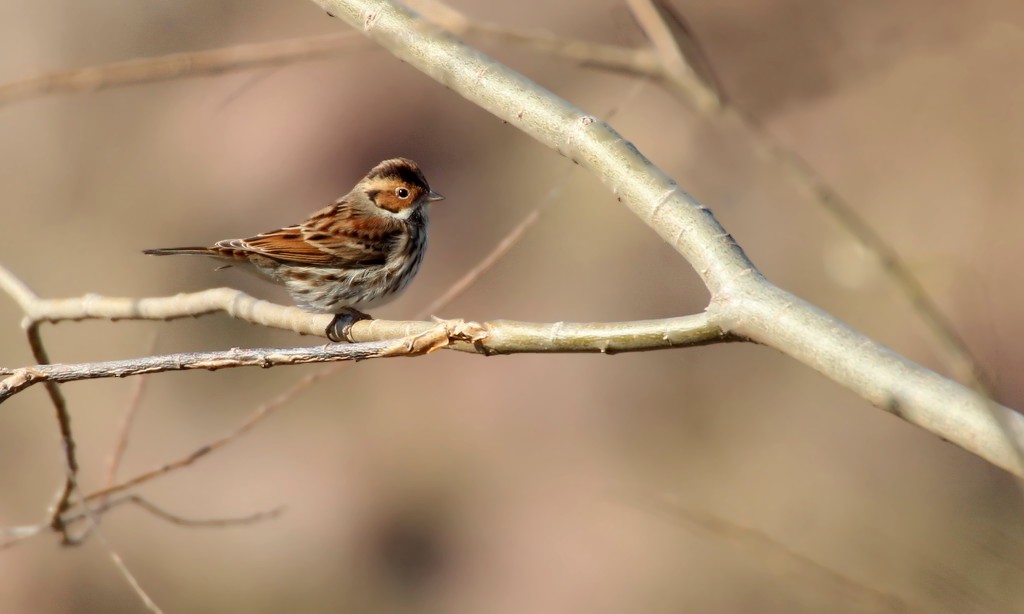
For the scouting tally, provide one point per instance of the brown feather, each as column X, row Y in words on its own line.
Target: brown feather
column 338, row 236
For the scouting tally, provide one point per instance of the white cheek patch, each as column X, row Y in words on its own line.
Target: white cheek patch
column 402, row 215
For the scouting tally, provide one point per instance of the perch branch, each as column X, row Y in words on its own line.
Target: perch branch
column 375, row 338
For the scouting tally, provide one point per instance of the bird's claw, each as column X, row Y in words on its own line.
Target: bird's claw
column 340, row 328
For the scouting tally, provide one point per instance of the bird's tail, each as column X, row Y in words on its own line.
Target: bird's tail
column 173, row 251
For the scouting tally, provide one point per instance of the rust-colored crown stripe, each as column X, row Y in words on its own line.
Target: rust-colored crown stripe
column 400, row 169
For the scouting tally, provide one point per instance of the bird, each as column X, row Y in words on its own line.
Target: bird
column 357, row 253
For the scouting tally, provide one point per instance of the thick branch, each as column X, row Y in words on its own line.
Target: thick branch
column 511, row 337
column 743, row 302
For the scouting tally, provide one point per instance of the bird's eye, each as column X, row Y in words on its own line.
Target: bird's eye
column 402, row 193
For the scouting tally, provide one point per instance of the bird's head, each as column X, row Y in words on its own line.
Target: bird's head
column 398, row 187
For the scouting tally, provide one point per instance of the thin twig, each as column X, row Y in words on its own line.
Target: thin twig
column 126, row 573
column 155, row 510
column 204, row 523
column 60, row 406
column 181, row 65
column 93, row 526
column 615, row 58
column 257, row 55
column 25, row 298
column 120, row 446
column 770, row 554
column 503, row 247
column 132, row 409
column 257, row 416
column 678, row 69
column 17, row 534
column 420, row 340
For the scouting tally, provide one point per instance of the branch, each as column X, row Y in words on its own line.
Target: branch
column 276, row 53
column 406, row 339
column 14, row 535
column 743, row 302
column 63, row 416
column 375, row 338
column 20, row 379
column 679, row 70
column 124, row 432
column 499, row 336
column 181, row 65
column 688, row 73
column 776, row 557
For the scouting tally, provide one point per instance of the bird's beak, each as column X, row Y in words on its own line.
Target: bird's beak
column 433, row 196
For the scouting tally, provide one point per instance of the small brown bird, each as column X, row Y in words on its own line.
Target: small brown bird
column 359, row 252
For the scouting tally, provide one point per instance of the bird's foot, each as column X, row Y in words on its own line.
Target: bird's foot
column 340, row 328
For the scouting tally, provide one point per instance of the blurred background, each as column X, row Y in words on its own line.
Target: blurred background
column 718, row 479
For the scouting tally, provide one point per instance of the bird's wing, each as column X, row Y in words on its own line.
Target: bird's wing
column 285, row 245
column 335, row 243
